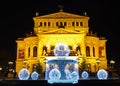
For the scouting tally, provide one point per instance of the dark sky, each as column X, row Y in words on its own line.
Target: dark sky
column 16, row 20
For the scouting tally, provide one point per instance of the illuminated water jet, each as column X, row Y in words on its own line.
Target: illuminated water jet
column 62, row 68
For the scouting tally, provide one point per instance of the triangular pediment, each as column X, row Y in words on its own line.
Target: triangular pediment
column 61, row 15
column 61, row 31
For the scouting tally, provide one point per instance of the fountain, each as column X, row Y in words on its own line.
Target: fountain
column 62, row 68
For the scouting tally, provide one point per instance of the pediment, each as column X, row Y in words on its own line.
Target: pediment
column 61, row 31
column 61, row 15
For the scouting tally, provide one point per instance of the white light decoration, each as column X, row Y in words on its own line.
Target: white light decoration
column 85, row 75
column 68, row 74
column 102, row 74
column 54, row 74
column 24, row 74
column 61, row 49
column 75, row 75
column 34, row 75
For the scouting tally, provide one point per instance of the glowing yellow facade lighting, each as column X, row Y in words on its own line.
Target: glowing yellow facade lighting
column 61, row 27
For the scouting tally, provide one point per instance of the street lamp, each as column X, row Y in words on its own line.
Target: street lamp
column 10, row 66
column 10, row 62
column 98, row 62
column 10, row 69
column 24, row 63
column 0, row 68
column 112, row 62
column 0, row 71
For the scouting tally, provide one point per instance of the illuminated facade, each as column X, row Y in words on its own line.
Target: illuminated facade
column 61, row 27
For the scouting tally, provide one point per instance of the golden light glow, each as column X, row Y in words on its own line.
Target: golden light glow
column 61, row 27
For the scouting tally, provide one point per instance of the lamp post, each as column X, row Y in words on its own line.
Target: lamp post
column 98, row 62
column 10, row 66
column 0, row 68
column 0, row 71
column 10, row 69
column 112, row 62
column 24, row 63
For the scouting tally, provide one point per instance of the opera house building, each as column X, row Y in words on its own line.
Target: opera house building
column 61, row 28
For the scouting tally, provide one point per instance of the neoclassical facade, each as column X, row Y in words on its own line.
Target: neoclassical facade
column 61, row 27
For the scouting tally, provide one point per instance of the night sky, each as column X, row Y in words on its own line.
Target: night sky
column 16, row 20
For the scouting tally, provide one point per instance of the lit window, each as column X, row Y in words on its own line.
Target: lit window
column 44, row 23
column 73, row 24
column 93, row 51
column 81, row 23
column 48, row 23
column 77, row 24
column 28, row 52
column 56, row 23
column 65, row 24
column 35, row 51
column 40, row 23
column 87, row 51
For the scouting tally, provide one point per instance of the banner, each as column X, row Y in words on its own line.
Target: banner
column 21, row 53
column 101, row 50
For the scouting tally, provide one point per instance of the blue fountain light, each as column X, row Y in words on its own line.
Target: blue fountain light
column 34, row 75
column 54, row 74
column 61, row 49
column 102, row 74
column 68, row 74
column 85, row 75
column 75, row 75
column 23, row 74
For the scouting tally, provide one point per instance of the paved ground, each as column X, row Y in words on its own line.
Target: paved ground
column 41, row 82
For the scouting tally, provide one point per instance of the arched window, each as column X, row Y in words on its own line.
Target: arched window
column 35, row 51
column 33, row 67
column 28, row 52
column 45, row 48
column 52, row 47
column 70, row 47
column 89, row 67
column 93, row 51
column 44, row 51
column 51, row 53
column 87, row 51
column 78, row 50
